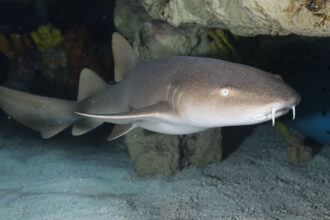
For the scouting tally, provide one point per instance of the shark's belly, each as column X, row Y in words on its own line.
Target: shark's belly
column 168, row 128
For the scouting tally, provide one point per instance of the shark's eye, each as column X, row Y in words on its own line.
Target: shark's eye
column 224, row 92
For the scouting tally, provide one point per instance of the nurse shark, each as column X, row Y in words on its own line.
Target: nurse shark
column 172, row 95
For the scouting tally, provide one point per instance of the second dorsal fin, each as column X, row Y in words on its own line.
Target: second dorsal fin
column 89, row 84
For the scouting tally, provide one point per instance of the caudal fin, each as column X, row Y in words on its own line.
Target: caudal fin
column 49, row 116
column 46, row 115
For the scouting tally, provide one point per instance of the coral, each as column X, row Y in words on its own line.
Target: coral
column 17, row 42
column 22, row 70
column 81, row 53
column 224, row 45
column 14, row 45
column 5, row 47
column 51, row 61
column 284, row 130
column 46, row 37
column 60, row 58
column 297, row 151
column 24, row 59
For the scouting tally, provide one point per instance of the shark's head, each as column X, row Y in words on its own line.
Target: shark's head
column 228, row 95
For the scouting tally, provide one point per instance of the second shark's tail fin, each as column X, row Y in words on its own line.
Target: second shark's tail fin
column 46, row 115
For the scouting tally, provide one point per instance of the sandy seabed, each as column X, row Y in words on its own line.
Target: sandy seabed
column 84, row 178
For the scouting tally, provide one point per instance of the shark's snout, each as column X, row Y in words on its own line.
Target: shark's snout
column 278, row 109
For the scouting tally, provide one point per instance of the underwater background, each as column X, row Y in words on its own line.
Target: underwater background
column 247, row 172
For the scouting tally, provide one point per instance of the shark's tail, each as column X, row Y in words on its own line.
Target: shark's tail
column 48, row 115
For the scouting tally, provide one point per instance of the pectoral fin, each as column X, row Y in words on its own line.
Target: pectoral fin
column 120, row 130
column 157, row 111
column 85, row 125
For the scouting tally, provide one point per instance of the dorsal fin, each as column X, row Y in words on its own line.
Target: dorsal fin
column 124, row 56
column 89, row 84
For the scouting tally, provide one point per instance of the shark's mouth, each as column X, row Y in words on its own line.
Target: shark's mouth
column 275, row 113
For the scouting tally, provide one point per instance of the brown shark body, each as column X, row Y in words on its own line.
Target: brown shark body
column 173, row 95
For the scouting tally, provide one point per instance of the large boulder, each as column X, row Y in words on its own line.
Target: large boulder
column 248, row 17
column 129, row 17
column 153, row 153
column 158, row 39
column 154, row 38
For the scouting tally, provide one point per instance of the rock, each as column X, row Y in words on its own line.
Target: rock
column 159, row 39
column 299, row 152
column 129, row 17
column 154, row 39
column 202, row 148
column 153, row 153
column 249, row 17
